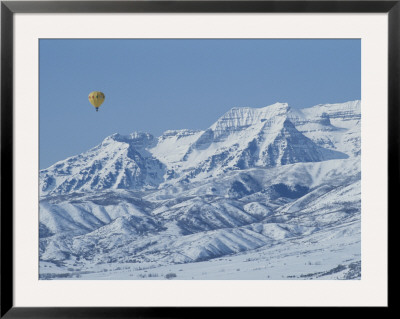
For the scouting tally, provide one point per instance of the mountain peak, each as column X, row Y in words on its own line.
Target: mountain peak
column 128, row 138
column 277, row 105
column 241, row 117
column 119, row 162
column 269, row 110
column 138, row 140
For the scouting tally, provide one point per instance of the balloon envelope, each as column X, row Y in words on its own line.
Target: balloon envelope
column 96, row 98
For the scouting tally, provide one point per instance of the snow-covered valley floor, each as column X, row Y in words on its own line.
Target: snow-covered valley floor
column 322, row 255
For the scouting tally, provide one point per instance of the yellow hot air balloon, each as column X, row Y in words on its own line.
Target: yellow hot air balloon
column 96, row 98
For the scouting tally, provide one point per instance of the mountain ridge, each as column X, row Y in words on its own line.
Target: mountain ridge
column 241, row 138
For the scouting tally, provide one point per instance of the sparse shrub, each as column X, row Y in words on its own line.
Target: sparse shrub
column 170, row 275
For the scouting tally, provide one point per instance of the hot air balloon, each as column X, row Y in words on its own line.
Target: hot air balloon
column 96, row 98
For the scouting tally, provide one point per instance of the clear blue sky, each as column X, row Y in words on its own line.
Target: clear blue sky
column 156, row 85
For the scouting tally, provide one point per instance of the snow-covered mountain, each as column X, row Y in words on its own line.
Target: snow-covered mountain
column 332, row 126
column 119, row 162
column 242, row 138
column 256, row 180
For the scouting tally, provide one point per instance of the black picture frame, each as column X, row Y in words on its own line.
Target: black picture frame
column 8, row 8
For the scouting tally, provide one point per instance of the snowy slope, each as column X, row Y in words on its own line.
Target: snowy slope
column 244, row 138
column 119, row 162
column 260, row 187
column 332, row 126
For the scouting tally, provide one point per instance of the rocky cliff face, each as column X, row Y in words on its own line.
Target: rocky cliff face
column 245, row 138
